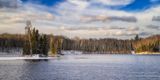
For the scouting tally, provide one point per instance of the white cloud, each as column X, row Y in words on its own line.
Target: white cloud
column 13, row 20
column 113, row 2
column 10, row 3
column 79, row 3
column 85, row 3
column 75, row 16
column 101, row 17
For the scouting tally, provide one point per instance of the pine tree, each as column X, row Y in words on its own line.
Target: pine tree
column 33, row 42
column 44, row 45
column 26, row 48
column 137, row 37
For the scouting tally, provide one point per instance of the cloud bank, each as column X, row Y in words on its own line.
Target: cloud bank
column 83, row 18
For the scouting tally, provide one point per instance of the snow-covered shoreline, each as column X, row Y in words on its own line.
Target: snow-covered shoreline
column 25, row 58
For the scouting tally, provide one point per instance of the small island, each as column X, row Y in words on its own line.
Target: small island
column 40, row 45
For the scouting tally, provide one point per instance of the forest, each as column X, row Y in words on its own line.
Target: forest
column 103, row 46
column 150, row 44
column 34, row 42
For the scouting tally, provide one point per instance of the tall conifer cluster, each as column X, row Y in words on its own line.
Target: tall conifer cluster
column 34, row 42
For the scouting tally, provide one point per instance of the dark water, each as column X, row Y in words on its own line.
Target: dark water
column 84, row 67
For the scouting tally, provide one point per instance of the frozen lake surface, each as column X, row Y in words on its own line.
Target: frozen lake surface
column 84, row 67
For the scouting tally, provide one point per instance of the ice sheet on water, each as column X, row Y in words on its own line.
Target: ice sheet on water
column 76, row 56
column 96, row 58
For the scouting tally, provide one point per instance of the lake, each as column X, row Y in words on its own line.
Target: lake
column 84, row 67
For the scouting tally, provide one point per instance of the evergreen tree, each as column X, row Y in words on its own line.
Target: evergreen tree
column 44, row 45
column 26, row 48
column 40, row 48
column 137, row 37
column 33, row 41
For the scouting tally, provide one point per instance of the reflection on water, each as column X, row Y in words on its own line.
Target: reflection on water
column 35, row 60
column 84, row 67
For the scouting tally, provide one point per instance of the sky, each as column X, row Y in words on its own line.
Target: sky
column 121, row 19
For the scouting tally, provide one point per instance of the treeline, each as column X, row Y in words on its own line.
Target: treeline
column 98, row 45
column 11, row 41
column 151, row 44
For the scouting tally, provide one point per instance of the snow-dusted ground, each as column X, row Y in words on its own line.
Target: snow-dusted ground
column 25, row 58
column 13, row 54
column 18, row 55
column 72, row 52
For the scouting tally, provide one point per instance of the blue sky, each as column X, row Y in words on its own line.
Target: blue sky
column 83, row 18
column 140, row 5
column 48, row 3
column 136, row 5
